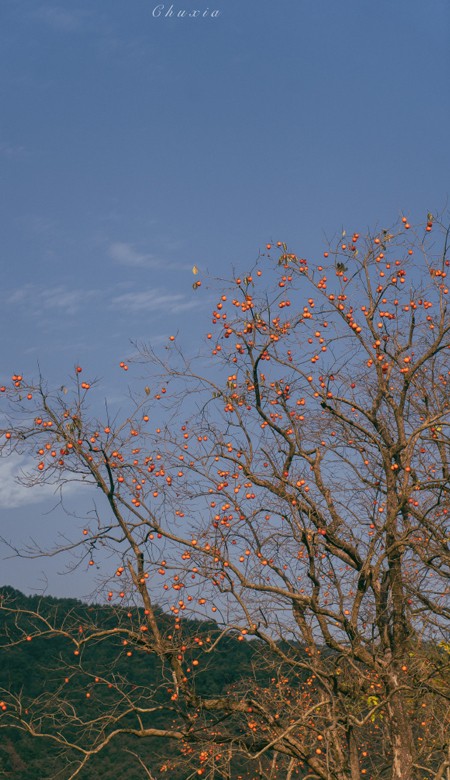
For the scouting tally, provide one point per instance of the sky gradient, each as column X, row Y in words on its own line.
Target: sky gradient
column 133, row 146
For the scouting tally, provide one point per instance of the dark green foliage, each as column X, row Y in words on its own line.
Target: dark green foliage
column 32, row 669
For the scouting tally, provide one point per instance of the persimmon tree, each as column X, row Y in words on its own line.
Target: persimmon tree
column 291, row 484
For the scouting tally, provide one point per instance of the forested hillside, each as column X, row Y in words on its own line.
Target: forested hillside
column 28, row 669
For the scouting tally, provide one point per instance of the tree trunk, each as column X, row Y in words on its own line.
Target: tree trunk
column 402, row 740
column 353, row 756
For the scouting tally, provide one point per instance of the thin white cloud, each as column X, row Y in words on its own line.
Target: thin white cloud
column 13, row 494
column 126, row 254
column 38, row 298
column 62, row 19
column 154, row 300
column 11, row 151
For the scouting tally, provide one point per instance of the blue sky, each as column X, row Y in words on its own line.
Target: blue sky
column 134, row 145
